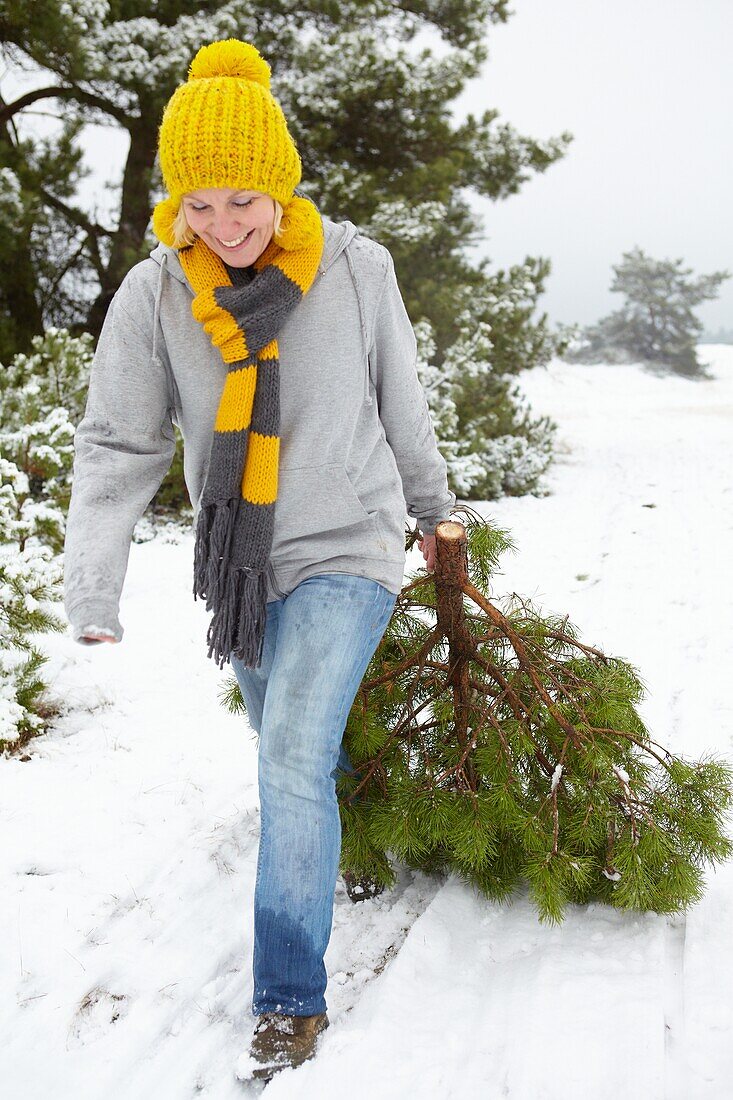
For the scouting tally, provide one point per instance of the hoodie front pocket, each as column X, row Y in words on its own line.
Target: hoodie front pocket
column 315, row 499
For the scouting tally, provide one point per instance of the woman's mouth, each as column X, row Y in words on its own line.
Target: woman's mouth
column 236, row 243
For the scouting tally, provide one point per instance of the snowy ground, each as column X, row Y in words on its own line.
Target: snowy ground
column 129, row 839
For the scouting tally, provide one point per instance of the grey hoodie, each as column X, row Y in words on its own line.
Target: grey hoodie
column 357, row 446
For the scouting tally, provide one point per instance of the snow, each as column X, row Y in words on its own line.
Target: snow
column 623, row 775
column 129, row 838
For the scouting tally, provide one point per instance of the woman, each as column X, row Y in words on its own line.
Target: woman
column 278, row 341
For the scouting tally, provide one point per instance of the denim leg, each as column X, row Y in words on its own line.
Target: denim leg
column 329, row 627
column 253, row 681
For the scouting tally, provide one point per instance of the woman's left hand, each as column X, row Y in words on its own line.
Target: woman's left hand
column 427, row 545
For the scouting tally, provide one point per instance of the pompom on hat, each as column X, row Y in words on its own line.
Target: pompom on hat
column 224, row 128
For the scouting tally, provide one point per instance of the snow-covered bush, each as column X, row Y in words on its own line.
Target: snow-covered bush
column 43, row 396
column 484, row 427
column 30, row 581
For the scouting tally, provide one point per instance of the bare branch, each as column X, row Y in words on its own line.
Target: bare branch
column 63, row 91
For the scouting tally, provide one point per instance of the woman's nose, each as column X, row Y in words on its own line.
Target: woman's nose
column 229, row 232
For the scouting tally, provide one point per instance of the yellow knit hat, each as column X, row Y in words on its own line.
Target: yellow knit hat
column 224, row 128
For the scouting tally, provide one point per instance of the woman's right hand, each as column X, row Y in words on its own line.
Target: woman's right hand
column 93, row 639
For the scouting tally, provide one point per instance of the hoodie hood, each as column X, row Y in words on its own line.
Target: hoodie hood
column 336, row 237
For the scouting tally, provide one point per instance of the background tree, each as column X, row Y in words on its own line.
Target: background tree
column 372, row 120
column 52, row 263
column 656, row 324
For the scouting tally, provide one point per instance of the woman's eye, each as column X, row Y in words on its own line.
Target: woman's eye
column 198, row 209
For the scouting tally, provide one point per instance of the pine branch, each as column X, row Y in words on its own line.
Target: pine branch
column 477, row 712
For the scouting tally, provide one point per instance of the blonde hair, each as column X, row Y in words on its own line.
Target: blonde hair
column 183, row 234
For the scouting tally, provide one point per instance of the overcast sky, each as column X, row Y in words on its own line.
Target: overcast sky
column 646, row 88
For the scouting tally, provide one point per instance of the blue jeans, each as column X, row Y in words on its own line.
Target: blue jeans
column 318, row 642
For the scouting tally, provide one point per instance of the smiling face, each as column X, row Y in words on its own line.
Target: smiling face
column 222, row 216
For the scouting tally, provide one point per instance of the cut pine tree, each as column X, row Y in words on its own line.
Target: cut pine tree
column 490, row 741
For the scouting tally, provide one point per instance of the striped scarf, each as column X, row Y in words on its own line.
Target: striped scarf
column 235, row 523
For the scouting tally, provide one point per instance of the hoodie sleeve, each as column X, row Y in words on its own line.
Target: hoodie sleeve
column 123, row 448
column 404, row 412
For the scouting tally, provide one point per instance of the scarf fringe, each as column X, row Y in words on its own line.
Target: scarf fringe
column 236, row 595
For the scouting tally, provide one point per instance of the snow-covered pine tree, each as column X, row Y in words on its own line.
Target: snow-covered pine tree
column 487, row 739
column 372, row 116
column 46, row 275
column 656, row 324
column 43, row 396
column 469, row 355
column 20, row 316
column 492, row 444
column 30, row 582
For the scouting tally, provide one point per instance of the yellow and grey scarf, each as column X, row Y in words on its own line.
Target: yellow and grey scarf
column 235, row 522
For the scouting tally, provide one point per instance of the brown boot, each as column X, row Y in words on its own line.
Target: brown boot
column 280, row 1041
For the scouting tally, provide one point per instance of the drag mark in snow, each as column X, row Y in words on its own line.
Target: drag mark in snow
column 675, row 1044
